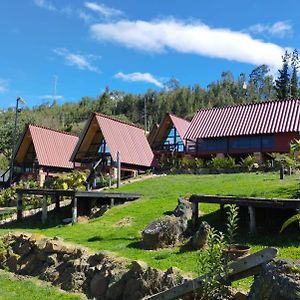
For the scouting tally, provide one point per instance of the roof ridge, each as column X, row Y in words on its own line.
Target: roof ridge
column 117, row 120
column 247, row 104
column 170, row 114
column 52, row 129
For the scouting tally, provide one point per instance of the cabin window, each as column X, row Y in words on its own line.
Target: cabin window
column 173, row 141
column 268, row 141
column 252, row 143
column 219, row 144
column 104, row 148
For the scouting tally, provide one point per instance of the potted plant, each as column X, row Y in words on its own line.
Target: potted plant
column 233, row 250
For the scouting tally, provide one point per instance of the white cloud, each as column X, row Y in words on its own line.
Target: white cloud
column 50, row 97
column 196, row 38
column 3, row 86
column 137, row 76
column 102, row 9
column 278, row 29
column 45, row 4
column 87, row 18
column 81, row 61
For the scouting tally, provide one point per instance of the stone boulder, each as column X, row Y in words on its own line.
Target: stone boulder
column 183, row 209
column 164, row 232
column 279, row 280
column 199, row 239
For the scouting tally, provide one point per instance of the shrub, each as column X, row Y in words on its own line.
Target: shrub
column 248, row 162
column 221, row 162
column 102, row 181
column 198, row 163
column 284, row 160
column 73, row 181
column 213, row 263
column 8, row 197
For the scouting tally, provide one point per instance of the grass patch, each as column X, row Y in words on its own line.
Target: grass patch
column 119, row 230
column 13, row 287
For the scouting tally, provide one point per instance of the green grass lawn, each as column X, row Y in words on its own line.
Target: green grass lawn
column 13, row 288
column 119, row 230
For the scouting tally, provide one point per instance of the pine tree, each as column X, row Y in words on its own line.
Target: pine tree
column 282, row 83
column 294, row 79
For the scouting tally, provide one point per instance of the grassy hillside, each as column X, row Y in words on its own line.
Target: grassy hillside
column 13, row 288
column 119, row 230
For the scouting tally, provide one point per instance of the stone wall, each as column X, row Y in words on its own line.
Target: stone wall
column 278, row 280
column 97, row 275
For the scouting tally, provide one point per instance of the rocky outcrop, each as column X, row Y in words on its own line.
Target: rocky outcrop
column 168, row 231
column 164, row 232
column 199, row 239
column 183, row 208
column 279, row 280
column 99, row 276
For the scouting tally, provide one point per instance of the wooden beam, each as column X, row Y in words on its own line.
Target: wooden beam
column 74, row 210
column 238, row 269
column 19, row 206
column 247, row 201
column 118, row 170
column 44, row 209
column 112, row 202
column 195, row 213
column 252, row 219
column 57, row 203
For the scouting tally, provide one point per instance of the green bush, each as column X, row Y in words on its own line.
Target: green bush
column 226, row 162
column 102, row 181
column 9, row 196
column 70, row 181
column 175, row 163
column 248, row 162
column 284, row 160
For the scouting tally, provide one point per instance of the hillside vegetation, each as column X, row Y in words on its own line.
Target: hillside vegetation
column 143, row 109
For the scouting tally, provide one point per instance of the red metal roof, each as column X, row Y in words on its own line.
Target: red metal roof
column 126, row 138
column 247, row 119
column 180, row 124
column 53, row 148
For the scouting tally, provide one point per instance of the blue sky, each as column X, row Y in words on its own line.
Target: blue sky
column 134, row 45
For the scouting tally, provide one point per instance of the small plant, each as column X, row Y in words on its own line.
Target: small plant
column 232, row 223
column 74, row 181
column 284, row 160
column 214, row 261
column 222, row 162
column 293, row 219
column 248, row 162
column 213, row 264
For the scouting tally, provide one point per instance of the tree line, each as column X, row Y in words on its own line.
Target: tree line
column 149, row 108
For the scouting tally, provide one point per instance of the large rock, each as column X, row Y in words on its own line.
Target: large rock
column 164, row 232
column 199, row 239
column 278, row 280
column 183, row 209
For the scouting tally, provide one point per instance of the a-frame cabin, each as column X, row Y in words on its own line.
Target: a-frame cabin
column 104, row 137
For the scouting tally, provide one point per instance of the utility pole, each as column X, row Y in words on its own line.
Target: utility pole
column 145, row 114
column 55, row 77
column 19, row 100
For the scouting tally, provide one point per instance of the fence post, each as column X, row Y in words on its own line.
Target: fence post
column 44, row 209
column 19, row 207
column 74, row 210
column 252, row 219
column 118, row 170
column 195, row 213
